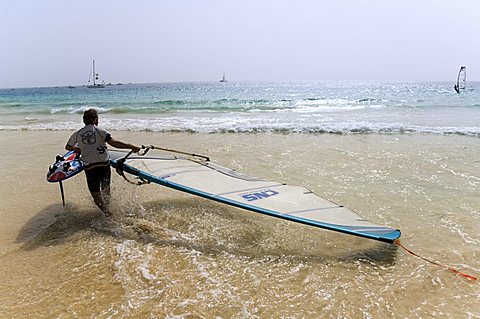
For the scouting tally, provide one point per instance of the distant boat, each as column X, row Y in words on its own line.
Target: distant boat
column 224, row 79
column 461, row 80
column 94, row 76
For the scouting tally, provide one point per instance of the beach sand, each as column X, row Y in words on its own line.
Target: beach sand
column 170, row 254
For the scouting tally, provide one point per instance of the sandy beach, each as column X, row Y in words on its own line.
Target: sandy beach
column 167, row 254
column 343, row 178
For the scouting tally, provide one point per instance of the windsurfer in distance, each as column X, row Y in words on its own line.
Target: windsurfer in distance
column 91, row 141
column 461, row 79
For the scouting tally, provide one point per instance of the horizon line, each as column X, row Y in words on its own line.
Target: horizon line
column 240, row 81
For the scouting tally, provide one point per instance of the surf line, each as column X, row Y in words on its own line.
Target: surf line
column 451, row 269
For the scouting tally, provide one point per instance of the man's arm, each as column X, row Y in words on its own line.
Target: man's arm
column 72, row 143
column 119, row 144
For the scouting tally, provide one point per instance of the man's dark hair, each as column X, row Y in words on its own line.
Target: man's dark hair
column 89, row 116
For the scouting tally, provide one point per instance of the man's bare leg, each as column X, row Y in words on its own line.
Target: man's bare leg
column 102, row 200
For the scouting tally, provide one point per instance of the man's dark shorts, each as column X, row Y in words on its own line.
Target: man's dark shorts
column 98, row 176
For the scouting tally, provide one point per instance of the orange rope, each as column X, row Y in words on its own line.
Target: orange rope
column 455, row 271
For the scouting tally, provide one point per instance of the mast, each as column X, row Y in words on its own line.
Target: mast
column 95, row 78
column 223, row 78
column 94, row 74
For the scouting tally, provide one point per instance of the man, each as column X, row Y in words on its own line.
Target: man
column 91, row 141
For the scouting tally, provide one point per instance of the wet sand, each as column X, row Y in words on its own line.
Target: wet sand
column 170, row 254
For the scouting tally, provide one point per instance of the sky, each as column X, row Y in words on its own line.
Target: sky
column 53, row 42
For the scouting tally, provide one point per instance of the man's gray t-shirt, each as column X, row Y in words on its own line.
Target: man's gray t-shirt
column 92, row 142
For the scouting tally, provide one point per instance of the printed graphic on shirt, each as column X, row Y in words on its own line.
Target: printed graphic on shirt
column 89, row 138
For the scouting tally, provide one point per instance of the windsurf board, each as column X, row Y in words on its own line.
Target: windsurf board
column 65, row 166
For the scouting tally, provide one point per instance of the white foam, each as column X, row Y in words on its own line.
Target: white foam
column 315, row 123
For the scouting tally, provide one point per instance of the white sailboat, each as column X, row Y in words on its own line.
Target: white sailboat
column 224, row 79
column 94, row 76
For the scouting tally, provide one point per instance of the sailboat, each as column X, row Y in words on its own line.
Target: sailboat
column 224, row 79
column 461, row 80
column 94, row 75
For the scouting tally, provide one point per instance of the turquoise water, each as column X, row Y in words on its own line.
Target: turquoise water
column 325, row 107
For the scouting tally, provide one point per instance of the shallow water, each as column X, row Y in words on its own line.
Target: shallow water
column 168, row 254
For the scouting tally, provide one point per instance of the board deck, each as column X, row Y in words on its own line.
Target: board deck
column 65, row 166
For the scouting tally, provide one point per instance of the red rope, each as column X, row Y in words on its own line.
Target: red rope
column 455, row 271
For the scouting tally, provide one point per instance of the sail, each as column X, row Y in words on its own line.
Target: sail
column 224, row 79
column 461, row 79
column 206, row 179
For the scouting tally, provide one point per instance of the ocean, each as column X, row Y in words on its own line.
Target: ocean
column 404, row 155
column 301, row 107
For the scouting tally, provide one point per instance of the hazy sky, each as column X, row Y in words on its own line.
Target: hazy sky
column 53, row 42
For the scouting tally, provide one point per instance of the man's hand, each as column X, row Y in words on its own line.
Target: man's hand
column 72, row 148
column 135, row 149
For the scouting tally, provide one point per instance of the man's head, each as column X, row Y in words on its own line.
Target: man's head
column 90, row 116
